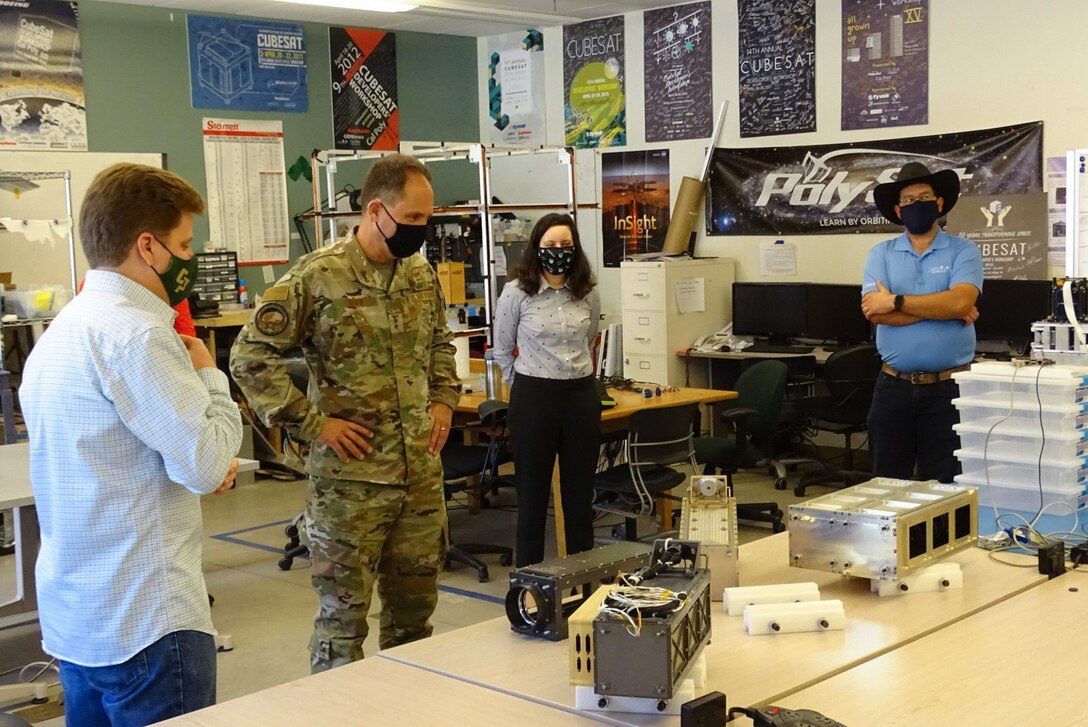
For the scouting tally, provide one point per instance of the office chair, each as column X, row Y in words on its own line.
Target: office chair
column 656, row 439
column 849, row 375
column 461, row 461
column 754, row 418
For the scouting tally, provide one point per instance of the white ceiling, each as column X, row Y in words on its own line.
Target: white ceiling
column 449, row 17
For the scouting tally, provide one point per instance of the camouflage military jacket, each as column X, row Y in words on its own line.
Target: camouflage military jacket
column 374, row 356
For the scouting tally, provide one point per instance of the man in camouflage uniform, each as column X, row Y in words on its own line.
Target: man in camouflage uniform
column 370, row 319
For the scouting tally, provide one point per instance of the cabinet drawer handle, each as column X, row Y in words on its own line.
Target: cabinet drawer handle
column 642, row 295
column 642, row 338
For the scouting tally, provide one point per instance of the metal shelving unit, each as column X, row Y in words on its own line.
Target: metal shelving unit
column 325, row 164
column 15, row 178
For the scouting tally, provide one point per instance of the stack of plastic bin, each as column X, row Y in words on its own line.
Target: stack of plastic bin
column 1024, row 429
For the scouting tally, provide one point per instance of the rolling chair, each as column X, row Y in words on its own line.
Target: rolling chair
column 754, row 418
column 849, row 375
column 656, row 439
column 461, row 461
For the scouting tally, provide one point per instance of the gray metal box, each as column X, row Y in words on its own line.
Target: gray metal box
column 652, row 663
column 883, row 528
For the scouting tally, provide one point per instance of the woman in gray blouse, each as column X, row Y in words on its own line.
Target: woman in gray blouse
column 545, row 324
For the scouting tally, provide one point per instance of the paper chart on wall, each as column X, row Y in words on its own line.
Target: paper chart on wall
column 247, row 188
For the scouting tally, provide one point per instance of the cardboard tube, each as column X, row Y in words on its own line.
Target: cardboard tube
column 685, row 213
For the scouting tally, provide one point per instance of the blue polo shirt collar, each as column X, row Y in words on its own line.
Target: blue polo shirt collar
column 941, row 241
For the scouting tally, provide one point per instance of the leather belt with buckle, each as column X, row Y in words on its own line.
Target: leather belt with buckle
column 923, row 377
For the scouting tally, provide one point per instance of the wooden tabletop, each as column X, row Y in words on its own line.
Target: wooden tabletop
column 752, row 670
column 226, row 319
column 627, row 402
column 378, row 692
column 1020, row 662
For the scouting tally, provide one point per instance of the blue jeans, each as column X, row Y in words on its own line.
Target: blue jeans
column 911, row 424
column 174, row 675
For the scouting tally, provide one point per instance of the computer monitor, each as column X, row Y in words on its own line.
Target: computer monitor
column 834, row 314
column 1007, row 308
column 769, row 310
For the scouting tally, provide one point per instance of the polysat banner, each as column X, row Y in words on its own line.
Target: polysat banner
column 247, row 65
column 828, row 188
column 593, row 84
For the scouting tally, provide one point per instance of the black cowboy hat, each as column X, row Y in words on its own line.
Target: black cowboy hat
column 945, row 183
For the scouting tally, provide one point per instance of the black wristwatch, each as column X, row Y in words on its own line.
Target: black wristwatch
column 899, row 302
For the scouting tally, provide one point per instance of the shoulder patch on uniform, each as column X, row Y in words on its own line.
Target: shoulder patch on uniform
column 271, row 319
column 277, row 292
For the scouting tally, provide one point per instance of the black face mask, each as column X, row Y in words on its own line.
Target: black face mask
column 556, row 260
column 919, row 216
column 406, row 239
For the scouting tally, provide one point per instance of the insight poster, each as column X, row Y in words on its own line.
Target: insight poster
column 515, row 87
column 885, row 63
column 246, row 65
column 41, row 77
column 677, row 57
column 777, row 66
column 634, row 203
column 595, row 110
column 365, row 114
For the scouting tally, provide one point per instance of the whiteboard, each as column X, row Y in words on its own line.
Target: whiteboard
column 43, row 263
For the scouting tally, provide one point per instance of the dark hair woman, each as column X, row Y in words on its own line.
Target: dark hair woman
column 549, row 312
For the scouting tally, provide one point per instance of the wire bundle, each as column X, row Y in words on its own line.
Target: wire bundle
column 631, row 603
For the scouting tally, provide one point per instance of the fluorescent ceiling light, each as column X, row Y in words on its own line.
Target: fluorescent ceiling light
column 377, row 6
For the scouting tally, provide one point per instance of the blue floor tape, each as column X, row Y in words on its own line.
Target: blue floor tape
column 228, row 537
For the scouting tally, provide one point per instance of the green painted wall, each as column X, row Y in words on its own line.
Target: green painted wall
column 136, row 79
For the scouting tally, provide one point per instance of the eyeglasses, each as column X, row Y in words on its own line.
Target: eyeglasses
column 924, row 197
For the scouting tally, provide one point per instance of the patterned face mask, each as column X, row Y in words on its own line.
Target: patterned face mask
column 556, row 260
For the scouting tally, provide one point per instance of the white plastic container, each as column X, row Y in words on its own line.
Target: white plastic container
column 1056, row 418
column 1008, row 491
column 1025, row 467
column 1020, row 436
column 1002, row 382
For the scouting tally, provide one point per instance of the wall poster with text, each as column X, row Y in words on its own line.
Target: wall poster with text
column 42, row 104
column 365, row 114
column 777, row 66
column 515, row 87
column 634, row 203
column 247, row 65
column 885, row 63
column 595, row 106
column 1010, row 231
column 677, row 56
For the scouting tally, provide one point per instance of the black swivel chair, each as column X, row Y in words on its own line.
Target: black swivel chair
column 656, row 439
column 754, row 419
column 462, row 461
column 850, row 375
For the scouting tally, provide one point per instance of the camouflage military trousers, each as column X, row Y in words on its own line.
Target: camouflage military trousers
column 359, row 533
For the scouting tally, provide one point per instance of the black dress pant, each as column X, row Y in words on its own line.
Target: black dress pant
column 911, row 432
column 549, row 418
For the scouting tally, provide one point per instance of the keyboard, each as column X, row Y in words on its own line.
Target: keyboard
column 768, row 348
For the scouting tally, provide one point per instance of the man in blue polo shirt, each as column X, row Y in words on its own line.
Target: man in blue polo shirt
column 920, row 290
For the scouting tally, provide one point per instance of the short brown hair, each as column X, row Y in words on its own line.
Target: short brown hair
column 126, row 200
column 388, row 177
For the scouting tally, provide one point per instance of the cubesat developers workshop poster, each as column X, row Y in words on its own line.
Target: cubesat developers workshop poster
column 677, row 54
column 249, row 65
column 365, row 114
column 593, row 67
column 41, row 77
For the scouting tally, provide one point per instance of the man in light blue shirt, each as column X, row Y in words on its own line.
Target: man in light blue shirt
column 920, row 290
column 129, row 424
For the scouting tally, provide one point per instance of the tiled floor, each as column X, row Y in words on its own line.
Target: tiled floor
column 268, row 612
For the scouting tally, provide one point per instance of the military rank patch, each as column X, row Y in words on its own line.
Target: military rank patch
column 278, row 292
column 271, row 319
